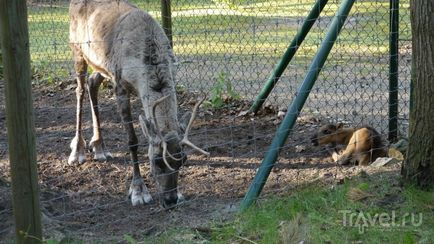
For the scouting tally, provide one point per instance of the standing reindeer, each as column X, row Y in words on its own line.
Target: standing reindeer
column 126, row 45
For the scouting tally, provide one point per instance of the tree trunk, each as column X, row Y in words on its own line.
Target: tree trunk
column 418, row 167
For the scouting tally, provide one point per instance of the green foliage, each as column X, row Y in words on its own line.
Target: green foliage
column 130, row 239
column 235, row 4
column 178, row 235
column 41, row 73
column 408, row 238
column 51, row 241
column 363, row 186
column 180, row 88
column 232, row 4
column 322, row 209
column 222, row 92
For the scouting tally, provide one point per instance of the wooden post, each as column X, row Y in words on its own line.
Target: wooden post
column 19, row 119
column 166, row 16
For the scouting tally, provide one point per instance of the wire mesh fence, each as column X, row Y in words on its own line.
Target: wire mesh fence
column 227, row 49
column 240, row 42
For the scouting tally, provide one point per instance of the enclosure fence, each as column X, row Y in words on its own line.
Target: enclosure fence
column 240, row 42
column 226, row 49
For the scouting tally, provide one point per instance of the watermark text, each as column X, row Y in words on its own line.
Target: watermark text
column 363, row 220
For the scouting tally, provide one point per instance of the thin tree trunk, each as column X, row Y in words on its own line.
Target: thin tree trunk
column 418, row 167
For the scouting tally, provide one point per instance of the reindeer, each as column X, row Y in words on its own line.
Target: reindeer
column 126, row 45
column 363, row 145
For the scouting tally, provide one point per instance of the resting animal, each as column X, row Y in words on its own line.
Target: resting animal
column 363, row 145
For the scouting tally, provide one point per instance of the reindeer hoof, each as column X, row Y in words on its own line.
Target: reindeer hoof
column 77, row 151
column 75, row 158
column 102, row 156
column 138, row 192
column 181, row 198
column 98, row 148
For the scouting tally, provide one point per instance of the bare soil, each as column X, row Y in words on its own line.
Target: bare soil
column 89, row 201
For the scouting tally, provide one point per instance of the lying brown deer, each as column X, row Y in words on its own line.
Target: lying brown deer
column 363, row 145
column 126, row 45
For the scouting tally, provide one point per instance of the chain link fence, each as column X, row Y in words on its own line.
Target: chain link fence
column 222, row 46
column 240, row 42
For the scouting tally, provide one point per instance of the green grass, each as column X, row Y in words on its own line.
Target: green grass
column 316, row 214
column 322, row 213
column 48, row 31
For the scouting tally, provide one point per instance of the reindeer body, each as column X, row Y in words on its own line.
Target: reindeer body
column 363, row 145
column 126, row 45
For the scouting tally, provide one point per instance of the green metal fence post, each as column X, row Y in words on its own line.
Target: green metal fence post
column 296, row 106
column 393, row 70
column 288, row 55
column 19, row 119
column 166, row 16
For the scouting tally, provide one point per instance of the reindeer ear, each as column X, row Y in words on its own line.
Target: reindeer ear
column 146, row 127
column 183, row 122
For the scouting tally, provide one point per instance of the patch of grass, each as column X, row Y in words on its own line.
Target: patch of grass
column 385, row 213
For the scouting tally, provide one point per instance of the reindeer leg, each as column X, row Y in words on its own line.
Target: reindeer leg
column 96, row 143
column 138, row 191
column 78, row 144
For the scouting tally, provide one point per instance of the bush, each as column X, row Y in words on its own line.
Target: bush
column 222, row 92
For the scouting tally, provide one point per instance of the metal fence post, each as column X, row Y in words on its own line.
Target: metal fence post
column 393, row 70
column 166, row 16
column 19, row 120
column 296, row 106
column 288, row 55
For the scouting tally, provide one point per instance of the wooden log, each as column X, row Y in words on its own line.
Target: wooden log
column 20, row 120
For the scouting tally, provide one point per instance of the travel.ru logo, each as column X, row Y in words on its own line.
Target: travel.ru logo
column 363, row 220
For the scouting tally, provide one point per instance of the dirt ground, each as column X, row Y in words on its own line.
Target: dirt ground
column 90, row 201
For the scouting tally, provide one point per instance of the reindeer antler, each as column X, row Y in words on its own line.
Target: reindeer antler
column 185, row 140
column 163, row 142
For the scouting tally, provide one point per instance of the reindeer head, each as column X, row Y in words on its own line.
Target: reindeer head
column 166, row 153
